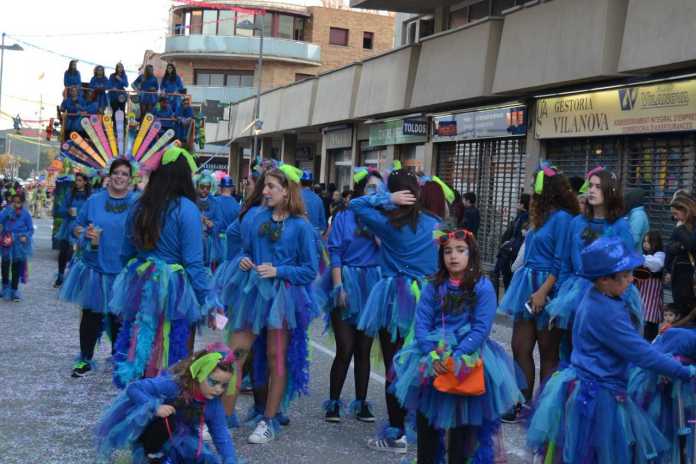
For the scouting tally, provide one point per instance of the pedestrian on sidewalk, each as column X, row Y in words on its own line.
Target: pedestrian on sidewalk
column 161, row 419
column 16, row 232
column 67, row 210
column 100, row 230
column 648, row 279
column 163, row 290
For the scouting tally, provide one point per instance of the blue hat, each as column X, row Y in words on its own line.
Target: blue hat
column 308, row 176
column 606, row 256
column 226, row 182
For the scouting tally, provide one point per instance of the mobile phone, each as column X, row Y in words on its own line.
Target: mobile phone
column 220, row 321
column 528, row 307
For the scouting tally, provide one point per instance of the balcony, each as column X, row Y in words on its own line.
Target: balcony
column 200, row 93
column 217, row 46
column 402, row 6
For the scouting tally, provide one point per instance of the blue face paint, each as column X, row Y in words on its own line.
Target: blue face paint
column 212, row 383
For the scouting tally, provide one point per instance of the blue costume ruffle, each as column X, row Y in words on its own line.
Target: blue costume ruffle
column 87, row 287
column 18, row 251
column 583, row 422
column 414, row 390
column 391, row 306
column 524, row 282
column 153, row 299
column 357, row 283
column 214, row 250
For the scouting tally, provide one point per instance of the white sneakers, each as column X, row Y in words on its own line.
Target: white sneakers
column 399, row 446
column 262, row 434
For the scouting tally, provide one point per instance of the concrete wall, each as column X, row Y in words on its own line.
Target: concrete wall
column 244, row 116
column 297, row 100
column 658, row 33
column 335, row 92
column 559, row 42
column 383, row 82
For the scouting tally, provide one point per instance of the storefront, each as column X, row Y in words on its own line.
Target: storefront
column 338, row 141
column 645, row 134
column 483, row 152
column 397, row 139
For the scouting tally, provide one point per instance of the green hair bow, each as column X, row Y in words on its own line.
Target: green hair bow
column 202, row 367
column 360, row 174
column 446, row 190
column 544, row 170
column 291, row 172
column 173, row 154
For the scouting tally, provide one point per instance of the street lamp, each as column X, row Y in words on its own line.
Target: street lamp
column 248, row 25
column 3, row 47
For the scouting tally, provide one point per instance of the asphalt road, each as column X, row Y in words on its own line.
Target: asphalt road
column 48, row 417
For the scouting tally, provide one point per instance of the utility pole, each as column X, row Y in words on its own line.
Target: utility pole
column 38, row 145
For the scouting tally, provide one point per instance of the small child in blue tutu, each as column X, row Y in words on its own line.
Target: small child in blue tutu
column 454, row 317
column 161, row 419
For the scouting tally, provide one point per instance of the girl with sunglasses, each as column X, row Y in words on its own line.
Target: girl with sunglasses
column 453, row 322
column 271, row 293
column 408, row 255
column 162, row 419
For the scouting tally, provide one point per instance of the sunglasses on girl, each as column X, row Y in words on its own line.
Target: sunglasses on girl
column 459, row 234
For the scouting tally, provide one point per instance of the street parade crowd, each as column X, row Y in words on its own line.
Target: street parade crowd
column 153, row 249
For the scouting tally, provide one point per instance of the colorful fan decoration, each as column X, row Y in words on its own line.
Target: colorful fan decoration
column 108, row 138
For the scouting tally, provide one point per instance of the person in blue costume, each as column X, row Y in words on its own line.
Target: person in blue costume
column 16, row 232
column 161, row 419
column 99, row 85
column 71, row 77
column 147, row 85
column 118, row 83
column 407, row 256
column 73, row 105
column 553, row 206
column 229, row 210
column 68, row 210
column 172, row 86
column 184, row 119
column 90, row 104
column 454, row 318
column 636, row 216
column 584, row 413
column 671, row 403
column 164, row 290
column 271, row 292
column 314, row 205
column 165, row 115
column 100, row 226
column 343, row 293
column 211, row 217
column 603, row 217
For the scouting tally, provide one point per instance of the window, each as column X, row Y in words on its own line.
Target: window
column 265, row 21
column 285, row 26
column 338, row 36
column 196, row 22
column 241, row 17
column 240, row 79
column 210, row 22
column 226, row 24
column 301, row 76
column 411, row 32
column 209, row 79
column 298, row 33
column 427, row 27
column 368, row 40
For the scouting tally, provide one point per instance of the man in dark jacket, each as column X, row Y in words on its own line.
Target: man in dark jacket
column 471, row 218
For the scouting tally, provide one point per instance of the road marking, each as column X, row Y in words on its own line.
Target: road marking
column 321, row 348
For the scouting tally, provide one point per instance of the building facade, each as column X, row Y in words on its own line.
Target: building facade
column 479, row 90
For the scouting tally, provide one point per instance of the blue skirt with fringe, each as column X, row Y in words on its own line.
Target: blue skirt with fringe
column 391, row 306
column 585, row 422
column 524, row 282
column 414, row 390
column 64, row 231
column 158, row 308
column 562, row 308
column 87, row 287
column 671, row 404
column 213, row 250
column 357, row 283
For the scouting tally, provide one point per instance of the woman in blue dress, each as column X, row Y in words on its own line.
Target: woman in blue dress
column 16, row 232
column 211, row 217
column 99, row 85
column 68, row 211
column 100, row 228
column 118, row 83
column 71, row 77
column 148, row 87
column 546, row 250
column 164, row 290
column 408, row 256
column 172, row 86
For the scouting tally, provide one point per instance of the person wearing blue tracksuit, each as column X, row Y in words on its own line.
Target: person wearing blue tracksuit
column 99, row 85
column 313, row 204
column 16, row 232
column 172, row 84
column 211, row 216
column 71, row 77
column 72, row 106
column 68, row 210
column 184, row 119
column 164, row 114
column 118, row 83
column 148, row 87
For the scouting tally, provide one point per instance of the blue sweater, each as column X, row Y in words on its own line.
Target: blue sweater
column 229, row 210
column 72, row 79
column 639, row 225
column 350, row 244
column 315, row 209
column 165, row 390
column 210, row 208
column 546, row 249
column 402, row 251
column 605, row 344
column 19, row 224
column 110, row 215
column 180, row 242
column 147, row 84
column 239, row 233
column 294, row 254
column 100, row 84
column 429, row 317
column 677, row 341
column 117, row 83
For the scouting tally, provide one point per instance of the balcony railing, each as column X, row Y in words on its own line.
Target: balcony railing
column 238, row 46
column 200, row 93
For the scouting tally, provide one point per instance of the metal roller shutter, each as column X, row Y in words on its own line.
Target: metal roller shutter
column 445, row 161
column 577, row 156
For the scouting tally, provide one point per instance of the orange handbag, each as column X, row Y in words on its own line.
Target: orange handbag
column 472, row 384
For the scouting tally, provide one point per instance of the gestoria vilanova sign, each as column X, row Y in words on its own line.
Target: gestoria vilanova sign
column 665, row 107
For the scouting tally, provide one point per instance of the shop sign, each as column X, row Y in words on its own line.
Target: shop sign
column 665, row 107
column 213, row 162
column 415, row 127
column 339, row 138
column 395, row 133
column 499, row 122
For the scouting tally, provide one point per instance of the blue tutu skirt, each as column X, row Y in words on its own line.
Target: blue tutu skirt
column 562, row 308
column 414, row 390
column 87, row 287
column 524, row 282
column 357, row 283
column 124, row 422
column 64, row 231
column 213, row 251
column 158, row 308
column 670, row 403
column 585, row 422
column 391, row 306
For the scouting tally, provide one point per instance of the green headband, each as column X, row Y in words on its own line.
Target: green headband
column 291, row 172
column 172, row 154
column 360, row 174
column 446, row 190
column 202, row 367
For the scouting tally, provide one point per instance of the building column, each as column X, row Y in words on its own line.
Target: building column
column 429, row 159
column 324, row 169
column 355, row 148
column 288, row 148
column 234, row 162
column 534, row 149
column 267, row 147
